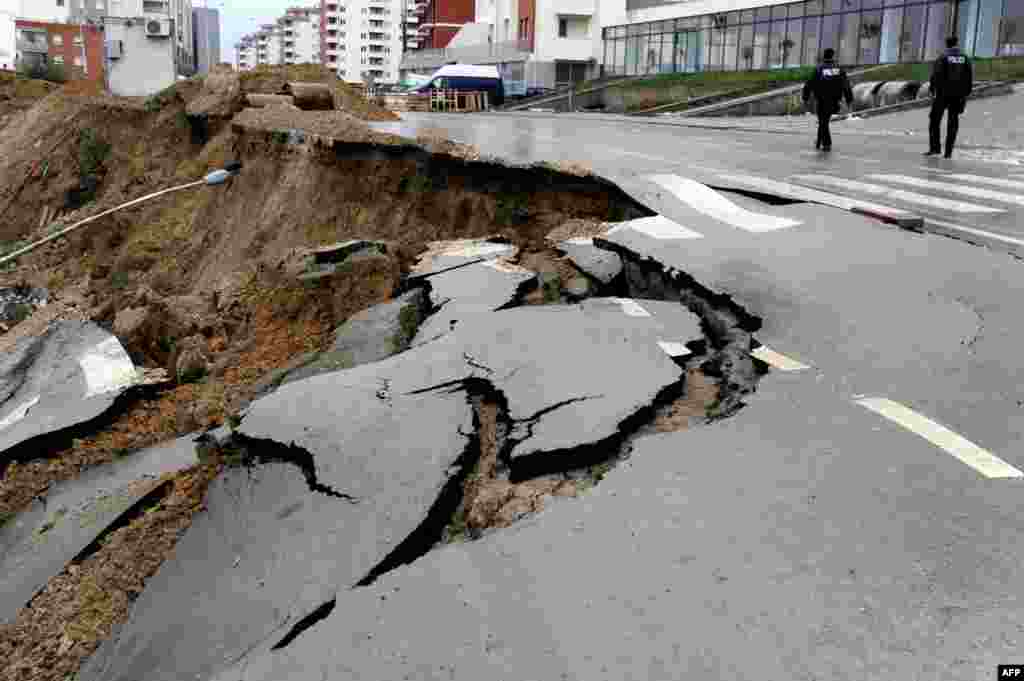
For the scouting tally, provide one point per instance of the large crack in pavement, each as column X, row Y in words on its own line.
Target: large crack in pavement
column 725, row 355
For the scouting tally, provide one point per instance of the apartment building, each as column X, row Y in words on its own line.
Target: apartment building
column 245, row 53
column 301, row 35
column 7, row 42
column 363, row 39
column 534, row 43
column 206, row 38
column 76, row 48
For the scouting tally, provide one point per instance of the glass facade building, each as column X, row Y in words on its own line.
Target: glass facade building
column 795, row 34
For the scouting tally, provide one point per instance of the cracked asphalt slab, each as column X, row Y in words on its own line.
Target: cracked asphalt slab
column 69, row 375
column 470, row 292
column 39, row 542
column 269, row 552
column 763, row 546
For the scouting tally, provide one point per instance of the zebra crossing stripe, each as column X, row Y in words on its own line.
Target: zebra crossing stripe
column 657, row 227
column 994, row 181
column 971, row 192
column 896, row 194
column 706, row 200
column 960, row 447
column 801, row 193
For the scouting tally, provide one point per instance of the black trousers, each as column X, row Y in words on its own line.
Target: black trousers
column 824, row 135
column 955, row 106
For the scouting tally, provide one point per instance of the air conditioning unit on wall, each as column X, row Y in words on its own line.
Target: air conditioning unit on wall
column 158, row 28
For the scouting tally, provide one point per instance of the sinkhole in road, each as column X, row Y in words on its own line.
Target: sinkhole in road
column 490, row 489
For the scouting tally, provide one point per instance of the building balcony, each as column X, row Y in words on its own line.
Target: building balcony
column 569, row 49
column 38, row 46
column 484, row 53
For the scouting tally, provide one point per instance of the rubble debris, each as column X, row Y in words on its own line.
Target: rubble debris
column 310, row 96
column 260, row 101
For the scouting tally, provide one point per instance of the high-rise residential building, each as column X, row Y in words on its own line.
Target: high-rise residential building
column 301, row 39
column 206, row 38
column 7, row 48
column 270, row 45
column 362, row 39
column 245, row 53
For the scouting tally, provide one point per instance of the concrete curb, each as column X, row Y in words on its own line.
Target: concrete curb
column 987, row 90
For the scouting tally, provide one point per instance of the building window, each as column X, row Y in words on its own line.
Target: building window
column 563, row 28
column 77, row 40
column 58, row 40
column 58, row 59
column 78, row 61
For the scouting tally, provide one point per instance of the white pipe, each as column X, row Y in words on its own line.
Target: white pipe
column 31, row 247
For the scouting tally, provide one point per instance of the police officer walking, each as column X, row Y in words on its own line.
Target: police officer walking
column 829, row 85
column 951, row 83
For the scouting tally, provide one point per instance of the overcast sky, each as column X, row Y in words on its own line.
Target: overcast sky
column 238, row 17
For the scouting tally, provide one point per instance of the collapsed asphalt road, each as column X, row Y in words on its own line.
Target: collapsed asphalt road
column 361, row 470
column 852, row 522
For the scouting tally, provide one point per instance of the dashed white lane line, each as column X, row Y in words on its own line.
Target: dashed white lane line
column 984, row 179
column 674, row 348
column 778, row 360
column 951, row 188
column 976, row 232
column 967, row 452
column 106, row 367
column 706, row 200
column 657, row 227
column 631, row 307
column 637, row 154
column 19, row 413
column 895, row 194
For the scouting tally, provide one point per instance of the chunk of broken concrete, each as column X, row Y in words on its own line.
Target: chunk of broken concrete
column 68, row 376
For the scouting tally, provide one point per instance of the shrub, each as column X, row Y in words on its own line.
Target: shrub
column 92, row 152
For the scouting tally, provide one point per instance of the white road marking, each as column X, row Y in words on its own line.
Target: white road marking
column 674, row 348
column 983, row 179
column 631, row 307
column 107, row 367
column 580, row 242
column 805, row 194
column 978, row 232
column 649, row 157
column 896, row 194
column 778, row 360
column 657, row 227
column 971, row 192
column 19, row 413
column 963, row 449
column 706, row 200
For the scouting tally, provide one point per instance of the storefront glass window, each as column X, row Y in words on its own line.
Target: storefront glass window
column 745, row 54
column 729, row 56
column 892, row 24
column 938, row 22
column 778, row 35
column 779, row 12
column 833, row 6
column 871, row 4
column 912, row 35
column 813, row 8
column 870, row 37
column 849, row 39
column 829, row 34
column 796, row 10
column 747, row 16
column 812, row 29
column 793, row 42
column 761, row 37
column 763, row 13
column 851, row 5
column 989, row 12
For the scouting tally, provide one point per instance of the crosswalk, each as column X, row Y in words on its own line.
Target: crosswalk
column 934, row 192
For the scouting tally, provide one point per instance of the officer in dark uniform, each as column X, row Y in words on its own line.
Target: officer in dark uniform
column 829, row 85
column 952, row 81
